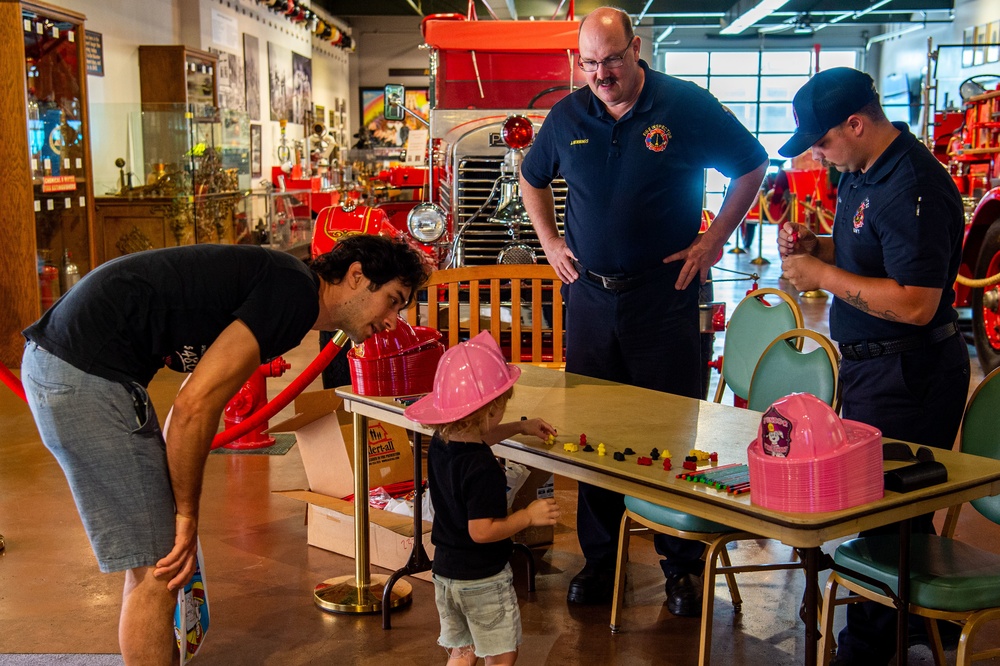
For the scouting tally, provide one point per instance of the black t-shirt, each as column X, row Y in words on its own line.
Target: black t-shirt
column 902, row 219
column 636, row 184
column 129, row 317
column 466, row 483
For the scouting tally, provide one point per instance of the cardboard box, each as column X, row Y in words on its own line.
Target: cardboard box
column 390, row 535
column 324, row 432
column 539, row 485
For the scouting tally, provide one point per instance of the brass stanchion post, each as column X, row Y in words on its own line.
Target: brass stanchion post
column 362, row 592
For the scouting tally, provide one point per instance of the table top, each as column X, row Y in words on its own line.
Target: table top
column 623, row 416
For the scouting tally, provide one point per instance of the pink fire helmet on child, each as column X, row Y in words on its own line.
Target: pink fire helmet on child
column 469, row 375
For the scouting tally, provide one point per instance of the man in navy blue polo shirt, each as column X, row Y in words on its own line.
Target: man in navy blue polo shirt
column 891, row 265
column 633, row 146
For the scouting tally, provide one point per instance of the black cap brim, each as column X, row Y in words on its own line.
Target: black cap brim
column 799, row 143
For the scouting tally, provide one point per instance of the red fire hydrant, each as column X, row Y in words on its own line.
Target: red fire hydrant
column 251, row 397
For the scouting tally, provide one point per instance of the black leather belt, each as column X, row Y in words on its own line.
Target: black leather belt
column 621, row 281
column 860, row 351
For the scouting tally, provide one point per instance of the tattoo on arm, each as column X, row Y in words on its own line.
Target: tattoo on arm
column 862, row 304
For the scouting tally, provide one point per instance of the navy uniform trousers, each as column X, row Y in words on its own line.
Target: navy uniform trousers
column 645, row 335
column 916, row 396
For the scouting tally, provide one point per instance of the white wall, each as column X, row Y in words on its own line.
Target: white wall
column 908, row 53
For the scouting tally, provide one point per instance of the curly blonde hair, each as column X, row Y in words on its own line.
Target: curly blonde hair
column 478, row 419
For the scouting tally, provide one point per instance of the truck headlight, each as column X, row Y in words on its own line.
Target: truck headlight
column 427, row 222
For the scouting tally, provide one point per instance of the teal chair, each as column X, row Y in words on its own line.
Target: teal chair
column 716, row 537
column 949, row 579
column 755, row 322
column 783, row 368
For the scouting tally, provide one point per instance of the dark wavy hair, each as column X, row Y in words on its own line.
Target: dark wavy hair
column 382, row 261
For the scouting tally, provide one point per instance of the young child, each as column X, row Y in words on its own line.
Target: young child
column 473, row 583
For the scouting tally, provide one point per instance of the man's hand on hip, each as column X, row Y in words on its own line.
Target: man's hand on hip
column 698, row 258
column 561, row 259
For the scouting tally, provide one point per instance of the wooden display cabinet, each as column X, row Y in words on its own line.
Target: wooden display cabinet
column 45, row 150
column 177, row 74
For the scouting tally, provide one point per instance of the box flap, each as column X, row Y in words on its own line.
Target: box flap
column 398, row 523
column 311, row 406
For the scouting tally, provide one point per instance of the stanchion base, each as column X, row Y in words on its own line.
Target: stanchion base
column 813, row 293
column 737, row 250
column 759, row 261
column 340, row 595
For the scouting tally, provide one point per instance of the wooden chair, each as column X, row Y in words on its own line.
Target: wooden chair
column 784, row 368
column 949, row 579
column 519, row 304
column 753, row 325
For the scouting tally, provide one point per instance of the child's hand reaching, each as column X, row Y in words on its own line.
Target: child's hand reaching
column 537, row 427
column 543, row 512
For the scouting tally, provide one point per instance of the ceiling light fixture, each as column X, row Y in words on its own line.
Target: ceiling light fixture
column 745, row 13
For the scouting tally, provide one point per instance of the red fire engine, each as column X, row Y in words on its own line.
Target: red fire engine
column 967, row 141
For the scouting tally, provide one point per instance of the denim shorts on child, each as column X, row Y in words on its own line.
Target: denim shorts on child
column 106, row 437
column 481, row 612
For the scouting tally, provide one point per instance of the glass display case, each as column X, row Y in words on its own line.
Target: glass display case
column 58, row 145
column 183, row 179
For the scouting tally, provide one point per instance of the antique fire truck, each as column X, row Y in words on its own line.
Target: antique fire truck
column 967, row 141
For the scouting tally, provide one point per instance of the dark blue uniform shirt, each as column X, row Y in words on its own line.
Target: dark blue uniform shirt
column 901, row 219
column 636, row 185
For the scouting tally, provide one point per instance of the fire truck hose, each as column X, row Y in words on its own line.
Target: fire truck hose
column 980, row 283
column 228, row 435
column 12, row 382
column 286, row 396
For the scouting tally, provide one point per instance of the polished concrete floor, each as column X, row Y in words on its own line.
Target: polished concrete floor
column 261, row 573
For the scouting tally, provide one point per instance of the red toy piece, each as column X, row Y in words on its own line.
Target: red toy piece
column 713, row 456
column 666, row 465
column 644, row 460
column 583, row 439
column 691, row 465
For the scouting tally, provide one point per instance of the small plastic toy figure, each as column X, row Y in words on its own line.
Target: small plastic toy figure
column 583, row 439
column 600, row 449
column 643, row 460
column 570, row 447
column 666, row 465
column 588, row 448
column 619, row 456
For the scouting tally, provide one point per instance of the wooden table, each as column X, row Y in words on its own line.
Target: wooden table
column 623, row 416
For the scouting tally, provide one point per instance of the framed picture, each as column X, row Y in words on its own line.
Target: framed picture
column 391, row 133
column 255, row 151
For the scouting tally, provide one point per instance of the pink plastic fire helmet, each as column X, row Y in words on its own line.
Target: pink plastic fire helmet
column 469, row 376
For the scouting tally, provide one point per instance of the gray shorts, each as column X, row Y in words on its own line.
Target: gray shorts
column 107, row 439
column 481, row 612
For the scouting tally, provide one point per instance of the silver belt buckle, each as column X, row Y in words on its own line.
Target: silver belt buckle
column 606, row 283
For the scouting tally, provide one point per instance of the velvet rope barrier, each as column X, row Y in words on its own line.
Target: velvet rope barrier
column 286, row 396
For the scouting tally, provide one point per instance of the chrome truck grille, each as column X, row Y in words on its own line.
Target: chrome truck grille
column 484, row 240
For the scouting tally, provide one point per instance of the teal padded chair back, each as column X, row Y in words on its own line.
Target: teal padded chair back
column 980, row 435
column 752, row 326
column 784, row 369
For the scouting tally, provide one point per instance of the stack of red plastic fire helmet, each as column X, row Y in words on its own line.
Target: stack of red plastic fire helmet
column 401, row 361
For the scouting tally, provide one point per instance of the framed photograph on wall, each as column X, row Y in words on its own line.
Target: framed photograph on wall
column 386, row 133
column 255, row 151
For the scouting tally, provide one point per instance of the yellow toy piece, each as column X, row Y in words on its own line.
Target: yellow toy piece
column 570, row 447
column 601, row 450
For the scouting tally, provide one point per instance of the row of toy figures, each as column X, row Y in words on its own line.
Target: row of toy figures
column 297, row 12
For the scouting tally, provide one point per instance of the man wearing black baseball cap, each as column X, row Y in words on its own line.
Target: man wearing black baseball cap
column 891, row 265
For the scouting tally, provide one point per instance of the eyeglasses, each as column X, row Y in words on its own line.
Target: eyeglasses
column 612, row 62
